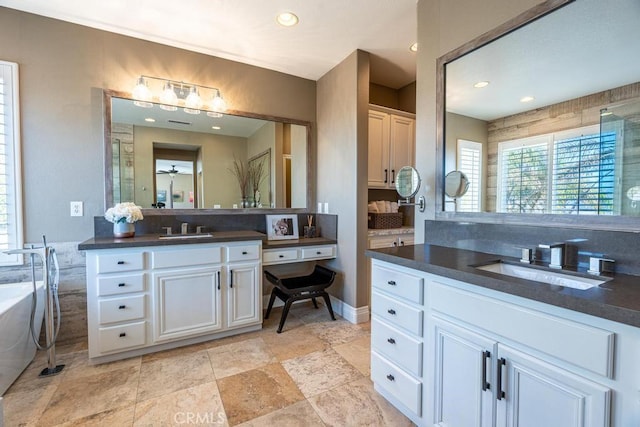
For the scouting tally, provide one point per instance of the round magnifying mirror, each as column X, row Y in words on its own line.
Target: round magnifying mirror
column 456, row 184
column 407, row 182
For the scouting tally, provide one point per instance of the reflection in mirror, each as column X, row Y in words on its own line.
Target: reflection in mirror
column 554, row 130
column 144, row 141
column 456, row 184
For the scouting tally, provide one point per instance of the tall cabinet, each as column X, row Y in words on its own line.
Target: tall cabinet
column 391, row 144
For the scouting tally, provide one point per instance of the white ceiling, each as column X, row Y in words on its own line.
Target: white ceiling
column 246, row 30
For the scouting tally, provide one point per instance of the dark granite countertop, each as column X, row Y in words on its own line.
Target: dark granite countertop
column 216, row 237
column 617, row 299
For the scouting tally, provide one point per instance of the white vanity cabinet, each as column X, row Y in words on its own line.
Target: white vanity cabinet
column 146, row 299
column 286, row 255
column 490, row 358
column 391, row 145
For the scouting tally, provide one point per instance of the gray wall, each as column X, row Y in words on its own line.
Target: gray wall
column 444, row 25
column 343, row 98
column 64, row 67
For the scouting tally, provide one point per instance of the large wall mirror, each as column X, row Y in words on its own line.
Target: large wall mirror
column 174, row 160
column 543, row 115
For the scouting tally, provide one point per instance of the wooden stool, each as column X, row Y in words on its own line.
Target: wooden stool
column 292, row 289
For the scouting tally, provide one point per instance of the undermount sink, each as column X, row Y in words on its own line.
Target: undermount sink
column 544, row 276
column 184, row 236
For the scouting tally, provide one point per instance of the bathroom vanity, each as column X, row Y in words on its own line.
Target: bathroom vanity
column 148, row 294
column 454, row 345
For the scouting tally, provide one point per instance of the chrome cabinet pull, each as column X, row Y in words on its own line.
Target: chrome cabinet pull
column 486, row 355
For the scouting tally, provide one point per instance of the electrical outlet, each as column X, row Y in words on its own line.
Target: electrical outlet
column 76, row 209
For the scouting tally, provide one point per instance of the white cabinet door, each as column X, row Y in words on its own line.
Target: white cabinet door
column 187, row 302
column 244, row 303
column 383, row 242
column 537, row 393
column 379, row 173
column 463, row 381
column 402, row 141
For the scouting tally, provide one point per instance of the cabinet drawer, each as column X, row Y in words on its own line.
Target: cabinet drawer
column 121, row 337
column 115, row 285
column 279, row 255
column 114, row 263
column 399, row 384
column 243, row 253
column 318, row 252
column 185, row 257
column 397, row 346
column 120, row 309
column 398, row 283
column 397, row 313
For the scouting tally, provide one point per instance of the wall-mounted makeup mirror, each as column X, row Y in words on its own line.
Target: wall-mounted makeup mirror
column 141, row 143
column 456, row 184
column 527, row 112
column 407, row 185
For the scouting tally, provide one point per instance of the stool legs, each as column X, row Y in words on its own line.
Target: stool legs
column 328, row 302
column 271, row 300
column 315, row 304
column 285, row 312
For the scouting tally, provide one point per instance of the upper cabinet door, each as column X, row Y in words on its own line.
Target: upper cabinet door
column 402, row 141
column 379, row 173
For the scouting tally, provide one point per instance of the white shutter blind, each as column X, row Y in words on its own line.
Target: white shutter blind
column 523, row 178
column 469, row 162
column 10, row 173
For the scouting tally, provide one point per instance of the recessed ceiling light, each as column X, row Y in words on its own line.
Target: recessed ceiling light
column 414, row 47
column 287, row 19
column 150, row 120
column 216, row 127
column 527, row 99
column 481, row 84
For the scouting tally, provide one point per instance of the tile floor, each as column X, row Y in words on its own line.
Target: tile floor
column 316, row 373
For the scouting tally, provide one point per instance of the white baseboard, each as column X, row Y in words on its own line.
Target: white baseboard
column 342, row 309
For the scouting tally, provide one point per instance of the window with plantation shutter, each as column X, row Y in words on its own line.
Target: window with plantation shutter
column 10, row 175
column 469, row 162
column 570, row 172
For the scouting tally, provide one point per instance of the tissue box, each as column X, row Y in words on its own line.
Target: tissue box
column 385, row 220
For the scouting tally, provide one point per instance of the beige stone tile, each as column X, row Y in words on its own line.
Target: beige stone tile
column 90, row 395
column 299, row 414
column 167, row 375
column 308, row 314
column 293, row 343
column 196, row 405
column 73, row 347
column 30, row 379
column 320, row 371
column 257, row 392
column 357, row 404
column 24, row 408
column 232, row 339
column 358, row 353
column 239, row 357
column 113, row 417
column 179, row 351
column 271, row 324
column 80, row 367
column 337, row 332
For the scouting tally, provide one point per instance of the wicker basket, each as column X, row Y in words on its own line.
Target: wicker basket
column 385, row 220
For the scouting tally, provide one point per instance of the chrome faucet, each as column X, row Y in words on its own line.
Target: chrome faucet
column 184, row 228
column 597, row 266
column 557, row 254
column 527, row 256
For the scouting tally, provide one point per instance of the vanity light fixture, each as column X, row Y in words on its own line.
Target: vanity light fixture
column 150, row 120
column 287, row 19
column 481, row 84
column 171, row 95
column 527, row 99
column 414, row 47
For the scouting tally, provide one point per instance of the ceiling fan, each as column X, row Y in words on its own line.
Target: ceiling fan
column 172, row 172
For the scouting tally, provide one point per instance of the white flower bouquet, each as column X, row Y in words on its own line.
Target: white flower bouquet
column 124, row 212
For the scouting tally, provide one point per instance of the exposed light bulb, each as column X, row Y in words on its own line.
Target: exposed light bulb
column 414, row 47
column 193, row 102
column 168, row 98
column 218, row 103
column 141, row 94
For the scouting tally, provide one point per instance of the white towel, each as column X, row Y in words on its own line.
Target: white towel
column 372, row 207
column 394, row 207
column 381, row 208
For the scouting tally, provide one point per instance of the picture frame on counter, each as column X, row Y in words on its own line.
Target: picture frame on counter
column 282, row 227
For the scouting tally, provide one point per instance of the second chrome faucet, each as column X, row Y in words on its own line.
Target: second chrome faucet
column 557, row 254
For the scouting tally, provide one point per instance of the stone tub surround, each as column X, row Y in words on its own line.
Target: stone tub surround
column 617, row 299
column 215, row 221
column 505, row 239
